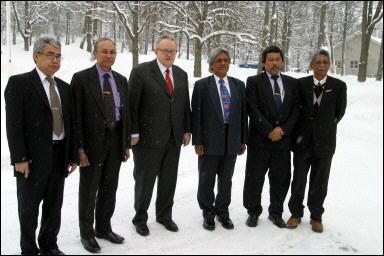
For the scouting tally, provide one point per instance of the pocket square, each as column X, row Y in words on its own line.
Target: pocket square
column 328, row 90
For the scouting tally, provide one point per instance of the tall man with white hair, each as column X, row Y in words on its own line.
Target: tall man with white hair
column 161, row 122
column 41, row 138
column 220, row 131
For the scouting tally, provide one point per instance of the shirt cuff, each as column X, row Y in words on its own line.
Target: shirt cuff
column 135, row 135
column 81, row 150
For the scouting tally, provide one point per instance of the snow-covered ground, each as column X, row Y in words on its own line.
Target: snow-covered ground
column 353, row 218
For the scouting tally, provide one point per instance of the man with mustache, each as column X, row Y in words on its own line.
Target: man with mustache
column 220, row 131
column 41, row 137
column 103, row 129
column 273, row 108
column 323, row 103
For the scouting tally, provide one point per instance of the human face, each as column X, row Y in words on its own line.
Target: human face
column 166, row 59
column 273, row 63
column 105, row 54
column 220, row 65
column 46, row 65
column 320, row 66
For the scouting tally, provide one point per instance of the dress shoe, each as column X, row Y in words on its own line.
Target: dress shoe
column 91, row 245
column 110, row 236
column 293, row 222
column 209, row 224
column 142, row 229
column 170, row 225
column 252, row 220
column 317, row 226
column 278, row 221
column 51, row 252
column 226, row 222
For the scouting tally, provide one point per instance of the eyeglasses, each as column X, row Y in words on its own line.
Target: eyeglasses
column 221, row 60
column 52, row 56
column 319, row 62
column 165, row 52
column 105, row 53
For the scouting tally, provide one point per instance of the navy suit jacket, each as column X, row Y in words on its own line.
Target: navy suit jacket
column 208, row 127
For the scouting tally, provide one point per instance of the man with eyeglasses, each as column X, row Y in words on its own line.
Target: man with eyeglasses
column 219, row 133
column 103, row 128
column 323, row 103
column 161, row 122
column 42, row 145
column 273, row 108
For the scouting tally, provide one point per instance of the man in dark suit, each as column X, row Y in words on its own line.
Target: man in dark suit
column 40, row 132
column 103, row 129
column 219, row 133
column 273, row 108
column 323, row 102
column 161, row 122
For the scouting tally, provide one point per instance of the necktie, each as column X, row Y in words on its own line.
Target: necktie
column 225, row 100
column 276, row 94
column 109, row 103
column 169, row 82
column 318, row 91
column 55, row 108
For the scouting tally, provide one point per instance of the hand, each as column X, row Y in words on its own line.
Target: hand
column 199, row 149
column 134, row 140
column 23, row 167
column 74, row 166
column 243, row 148
column 127, row 155
column 186, row 139
column 83, row 160
column 275, row 135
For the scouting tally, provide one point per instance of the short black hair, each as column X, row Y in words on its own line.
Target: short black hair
column 270, row 49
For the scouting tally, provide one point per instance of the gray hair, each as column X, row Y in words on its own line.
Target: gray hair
column 161, row 37
column 97, row 44
column 320, row 52
column 40, row 43
column 213, row 54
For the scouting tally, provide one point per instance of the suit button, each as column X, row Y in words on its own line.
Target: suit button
column 311, row 118
column 171, row 100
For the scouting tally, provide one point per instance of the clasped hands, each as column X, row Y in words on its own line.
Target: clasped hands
column 276, row 134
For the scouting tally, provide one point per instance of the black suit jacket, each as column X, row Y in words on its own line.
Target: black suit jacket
column 29, row 124
column 90, row 113
column 154, row 112
column 208, row 121
column 322, row 127
column 263, row 114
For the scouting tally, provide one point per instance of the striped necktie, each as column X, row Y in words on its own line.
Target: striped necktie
column 276, row 93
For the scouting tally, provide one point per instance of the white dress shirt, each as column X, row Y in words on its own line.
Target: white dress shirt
column 46, row 85
column 280, row 83
column 316, row 82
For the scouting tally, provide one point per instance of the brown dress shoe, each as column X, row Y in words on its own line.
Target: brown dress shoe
column 317, row 226
column 293, row 222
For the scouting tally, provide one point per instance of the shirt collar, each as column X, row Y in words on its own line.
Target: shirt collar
column 102, row 72
column 218, row 78
column 270, row 76
column 163, row 68
column 322, row 82
column 42, row 75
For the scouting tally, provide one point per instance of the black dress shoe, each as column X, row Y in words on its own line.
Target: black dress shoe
column 91, row 245
column 170, row 225
column 209, row 224
column 51, row 252
column 278, row 221
column 226, row 222
column 110, row 236
column 142, row 229
column 252, row 220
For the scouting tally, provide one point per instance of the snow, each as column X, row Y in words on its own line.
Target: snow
column 353, row 218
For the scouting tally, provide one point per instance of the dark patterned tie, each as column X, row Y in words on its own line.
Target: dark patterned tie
column 225, row 100
column 109, row 103
column 276, row 94
column 55, row 108
column 318, row 91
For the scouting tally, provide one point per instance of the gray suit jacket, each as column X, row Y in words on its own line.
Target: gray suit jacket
column 208, row 120
column 154, row 113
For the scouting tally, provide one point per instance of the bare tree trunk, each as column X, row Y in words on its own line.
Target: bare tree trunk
column 344, row 42
column 67, row 34
column 265, row 34
column 27, row 29
column 187, row 47
column 272, row 39
column 135, row 39
column 379, row 74
column 14, row 31
column 321, row 36
column 197, row 63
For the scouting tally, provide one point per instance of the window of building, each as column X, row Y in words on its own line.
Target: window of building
column 338, row 64
column 354, row 64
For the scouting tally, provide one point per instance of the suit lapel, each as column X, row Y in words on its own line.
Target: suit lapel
column 327, row 94
column 159, row 77
column 308, row 92
column 215, row 97
column 287, row 91
column 267, row 88
column 63, row 97
column 234, row 92
column 177, row 82
column 95, row 87
column 39, row 87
